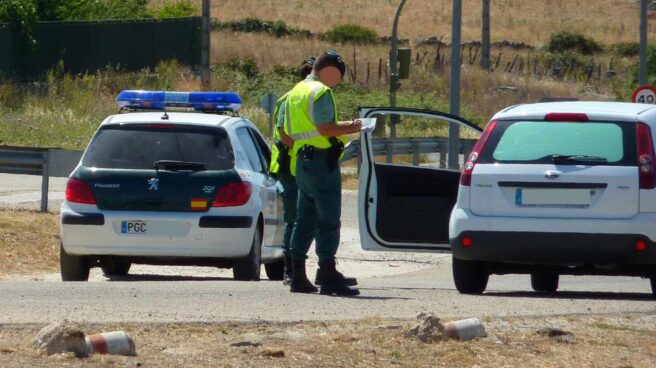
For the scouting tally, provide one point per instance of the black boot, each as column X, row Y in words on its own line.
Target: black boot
column 333, row 281
column 287, row 274
column 318, row 279
column 300, row 282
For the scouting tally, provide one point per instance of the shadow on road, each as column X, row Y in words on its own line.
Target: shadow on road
column 591, row 295
column 130, row 278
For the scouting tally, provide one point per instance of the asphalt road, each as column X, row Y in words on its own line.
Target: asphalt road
column 396, row 285
column 139, row 299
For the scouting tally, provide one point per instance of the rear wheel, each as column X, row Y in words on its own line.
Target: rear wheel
column 275, row 270
column 470, row 277
column 653, row 285
column 547, row 281
column 116, row 267
column 72, row 267
column 248, row 268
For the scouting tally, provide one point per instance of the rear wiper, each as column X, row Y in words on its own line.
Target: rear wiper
column 178, row 165
column 564, row 159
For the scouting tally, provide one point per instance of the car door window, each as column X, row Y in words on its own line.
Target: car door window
column 252, row 152
column 262, row 149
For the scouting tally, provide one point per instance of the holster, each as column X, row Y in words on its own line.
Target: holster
column 283, row 157
column 334, row 152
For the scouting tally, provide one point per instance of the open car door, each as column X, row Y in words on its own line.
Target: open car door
column 404, row 207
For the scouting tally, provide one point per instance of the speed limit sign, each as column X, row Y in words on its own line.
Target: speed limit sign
column 644, row 94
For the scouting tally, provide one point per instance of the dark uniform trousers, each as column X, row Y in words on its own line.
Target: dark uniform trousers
column 289, row 202
column 319, row 206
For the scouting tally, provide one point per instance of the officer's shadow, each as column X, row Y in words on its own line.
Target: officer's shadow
column 369, row 297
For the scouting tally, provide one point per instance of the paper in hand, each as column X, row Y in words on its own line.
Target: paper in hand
column 368, row 124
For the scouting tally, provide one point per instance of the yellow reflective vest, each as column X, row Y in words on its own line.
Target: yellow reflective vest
column 299, row 118
column 274, row 167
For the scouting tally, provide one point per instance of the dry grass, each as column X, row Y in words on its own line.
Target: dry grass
column 365, row 343
column 29, row 242
column 608, row 21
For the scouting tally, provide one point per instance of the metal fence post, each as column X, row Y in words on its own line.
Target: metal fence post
column 45, row 178
column 389, row 151
column 415, row 153
column 454, row 129
column 205, row 47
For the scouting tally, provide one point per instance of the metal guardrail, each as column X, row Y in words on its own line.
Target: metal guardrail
column 16, row 160
column 409, row 146
column 59, row 163
column 46, row 162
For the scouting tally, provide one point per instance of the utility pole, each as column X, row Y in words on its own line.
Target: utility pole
column 205, row 47
column 485, row 39
column 454, row 129
column 394, row 72
column 642, row 77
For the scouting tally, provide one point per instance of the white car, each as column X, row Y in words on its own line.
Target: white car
column 548, row 189
column 173, row 188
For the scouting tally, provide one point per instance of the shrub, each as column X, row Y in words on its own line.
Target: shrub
column 566, row 41
column 102, row 9
column 626, row 49
column 246, row 66
column 255, row 25
column 179, row 8
column 350, row 33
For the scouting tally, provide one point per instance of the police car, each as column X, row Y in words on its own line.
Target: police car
column 548, row 189
column 173, row 188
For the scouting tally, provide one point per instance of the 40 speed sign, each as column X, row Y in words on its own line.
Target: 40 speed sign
column 644, row 94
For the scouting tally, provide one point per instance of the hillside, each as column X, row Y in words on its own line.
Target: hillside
column 607, row 21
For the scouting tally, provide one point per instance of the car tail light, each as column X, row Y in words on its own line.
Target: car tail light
column 233, row 194
column 565, row 116
column 79, row 192
column 466, row 242
column 645, row 145
column 640, row 245
column 465, row 178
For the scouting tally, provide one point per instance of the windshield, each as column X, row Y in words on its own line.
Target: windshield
column 597, row 143
column 139, row 147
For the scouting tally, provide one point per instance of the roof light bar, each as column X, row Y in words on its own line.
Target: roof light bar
column 160, row 100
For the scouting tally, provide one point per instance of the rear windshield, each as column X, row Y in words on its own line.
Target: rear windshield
column 140, row 147
column 594, row 143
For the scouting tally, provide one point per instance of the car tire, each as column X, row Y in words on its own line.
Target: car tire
column 545, row 282
column 470, row 277
column 116, row 267
column 653, row 285
column 275, row 270
column 72, row 267
column 248, row 268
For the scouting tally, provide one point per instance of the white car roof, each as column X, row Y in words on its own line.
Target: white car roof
column 189, row 118
column 595, row 110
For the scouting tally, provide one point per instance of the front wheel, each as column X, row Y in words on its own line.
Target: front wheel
column 248, row 268
column 470, row 277
column 116, row 267
column 545, row 282
column 72, row 267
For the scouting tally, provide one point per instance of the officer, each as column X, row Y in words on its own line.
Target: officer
column 280, row 161
column 311, row 121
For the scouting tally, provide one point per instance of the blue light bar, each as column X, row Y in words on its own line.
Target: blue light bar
column 159, row 100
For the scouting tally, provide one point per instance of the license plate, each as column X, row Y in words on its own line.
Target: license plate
column 134, row 227
column 553, row 197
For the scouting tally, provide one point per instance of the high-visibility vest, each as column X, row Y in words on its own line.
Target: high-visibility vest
column 274, row 167
column 299, row 118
